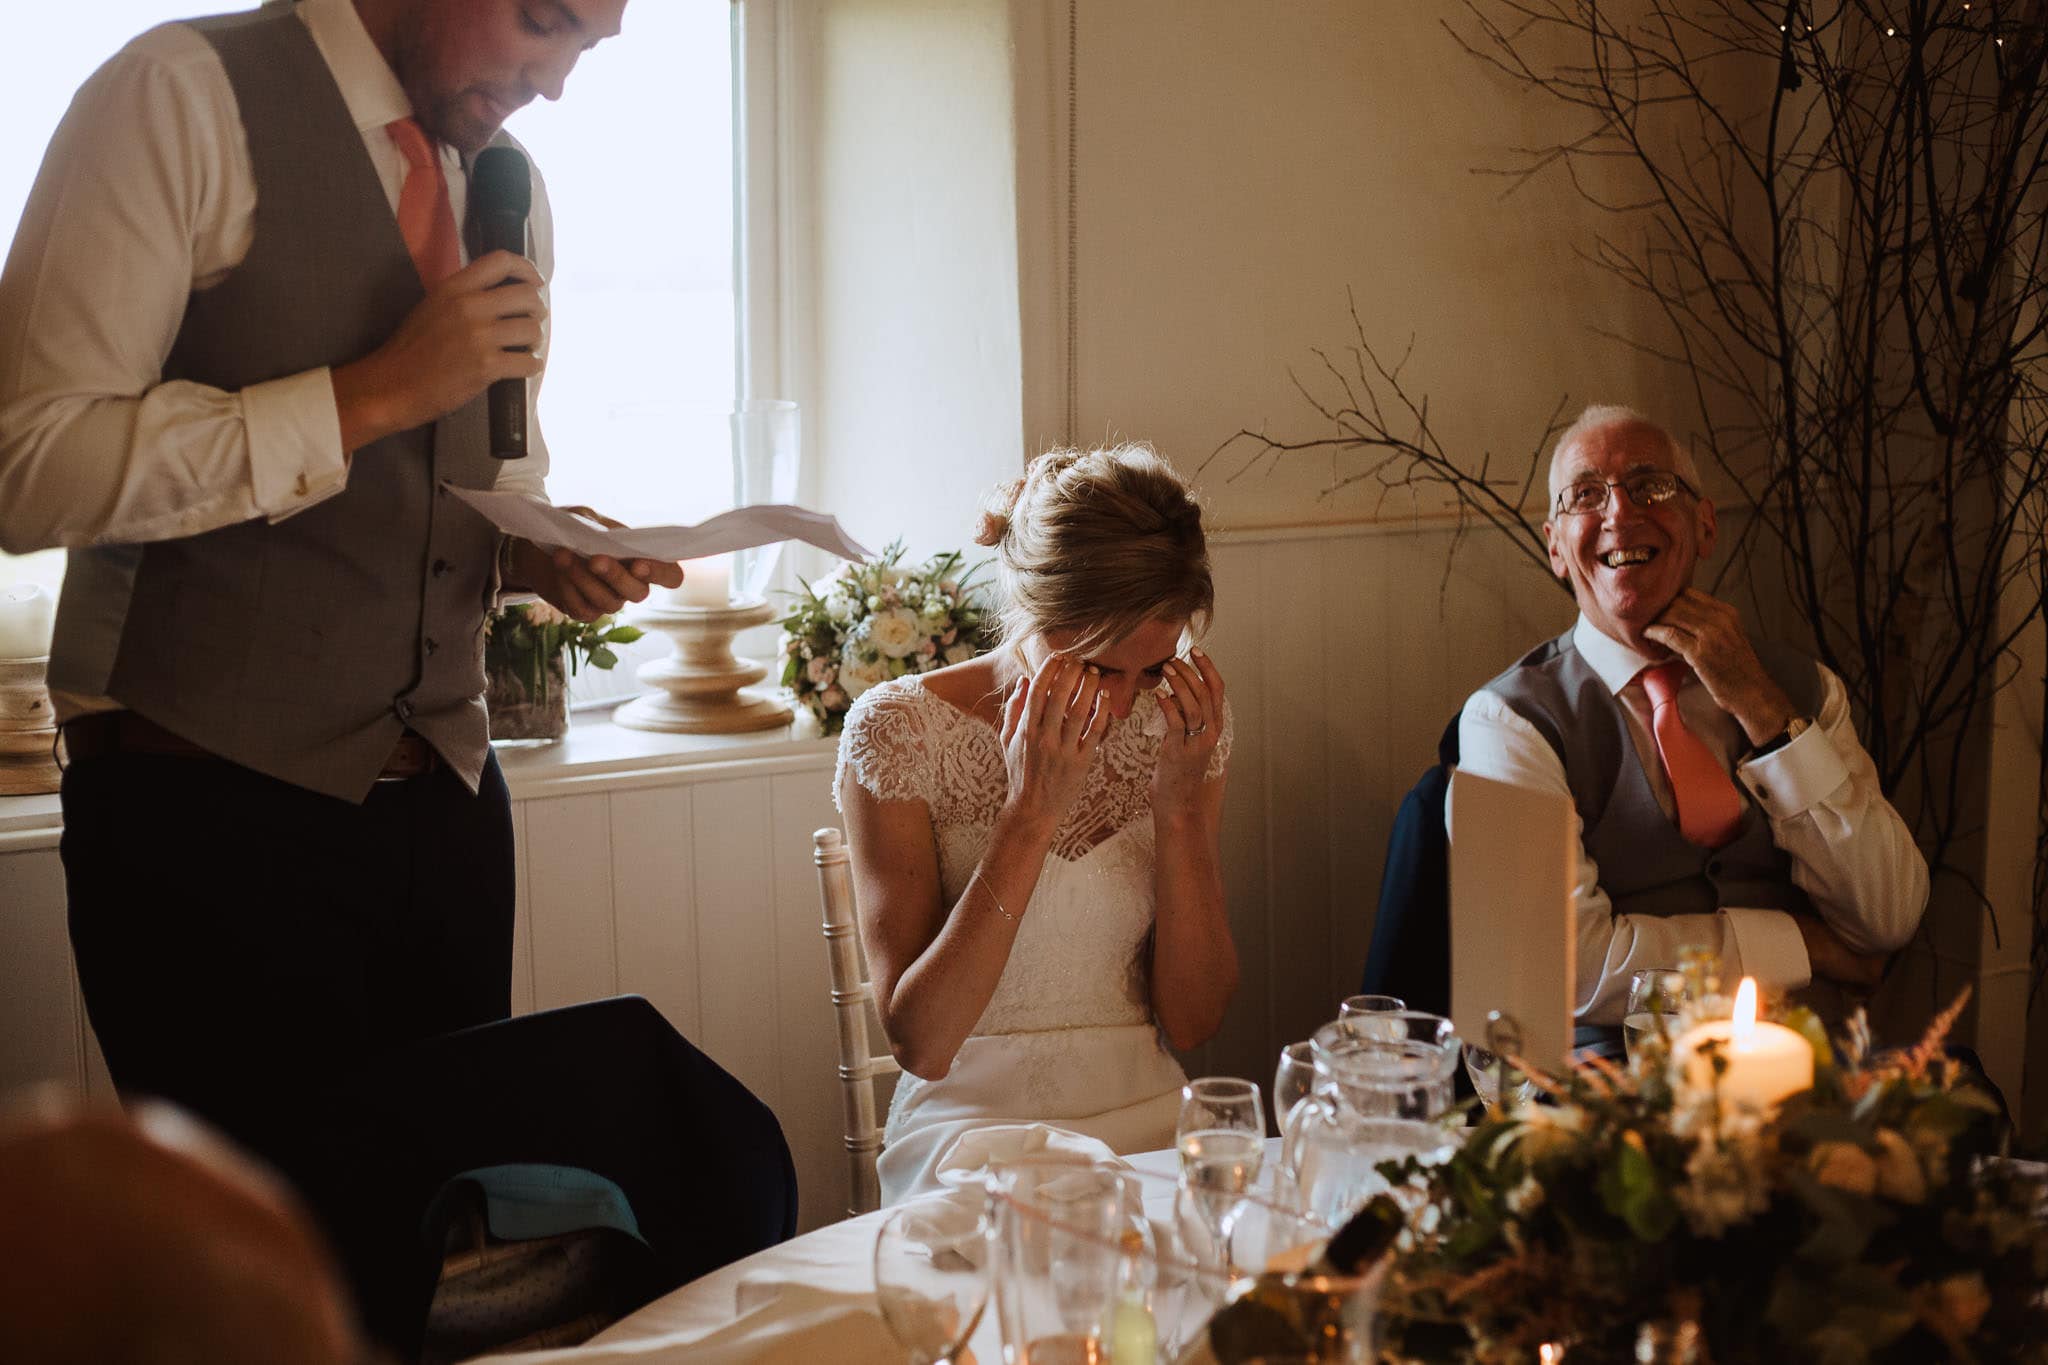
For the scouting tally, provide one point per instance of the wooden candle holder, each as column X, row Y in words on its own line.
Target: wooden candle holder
column 698, row 687
column 28, row 729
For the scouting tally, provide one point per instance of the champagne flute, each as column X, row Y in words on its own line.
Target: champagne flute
column 1654, row 995
column 932, row 1274
column 1222, row 1141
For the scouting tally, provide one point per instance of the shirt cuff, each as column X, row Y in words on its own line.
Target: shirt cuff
column 1794, row 779
column 295, row 454
column 1768, row 947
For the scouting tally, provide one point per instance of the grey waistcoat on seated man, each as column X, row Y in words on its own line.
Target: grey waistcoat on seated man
column 1646, row 866
column 303, row 649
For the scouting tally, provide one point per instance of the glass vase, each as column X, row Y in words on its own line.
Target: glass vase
column 523, row 716
column 765, row 443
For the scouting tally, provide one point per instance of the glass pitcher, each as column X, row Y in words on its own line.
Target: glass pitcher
column 1382, row 1081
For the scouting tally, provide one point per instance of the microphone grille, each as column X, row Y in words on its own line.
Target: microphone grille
column 501, row 182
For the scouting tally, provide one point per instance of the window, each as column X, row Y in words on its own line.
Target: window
column 638, row 161
column 638, row 158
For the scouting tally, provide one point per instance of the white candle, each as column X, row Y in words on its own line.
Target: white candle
column 706, row 582
column 27, row 614
column 1765, row 1062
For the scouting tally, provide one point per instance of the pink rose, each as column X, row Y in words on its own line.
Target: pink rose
column 821, row 672
column 833, row 698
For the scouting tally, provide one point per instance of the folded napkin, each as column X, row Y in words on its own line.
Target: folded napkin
column 967, row 1162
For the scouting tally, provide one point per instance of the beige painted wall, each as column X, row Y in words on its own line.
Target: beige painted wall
column 1239, row 167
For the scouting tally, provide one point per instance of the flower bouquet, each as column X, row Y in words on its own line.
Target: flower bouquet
column 529, row 650
column 1862, row 1220
column 876, row 620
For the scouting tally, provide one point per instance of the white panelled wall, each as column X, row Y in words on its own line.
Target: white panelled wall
column 1346, row 650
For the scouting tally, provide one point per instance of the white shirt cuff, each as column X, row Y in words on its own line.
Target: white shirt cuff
column 1768, row 947
column 1793, row 780
column 295, row 454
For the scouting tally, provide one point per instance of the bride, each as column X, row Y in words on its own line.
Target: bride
column 1035, row 832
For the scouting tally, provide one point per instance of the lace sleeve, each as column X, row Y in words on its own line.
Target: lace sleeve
column 883, row 747
column 1219, row 757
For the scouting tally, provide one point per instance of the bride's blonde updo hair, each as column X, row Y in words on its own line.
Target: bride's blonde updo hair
column 1096, row 543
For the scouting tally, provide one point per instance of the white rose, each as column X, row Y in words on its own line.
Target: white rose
column 857, row 675
column 895, row 632
column 960, row 653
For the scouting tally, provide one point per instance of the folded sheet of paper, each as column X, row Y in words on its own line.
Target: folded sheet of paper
column 523, row 515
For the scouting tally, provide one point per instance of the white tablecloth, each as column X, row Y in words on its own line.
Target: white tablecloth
column 810, row 1299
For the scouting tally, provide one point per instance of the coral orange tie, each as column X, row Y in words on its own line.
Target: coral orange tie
column 424, row 217
column 1709, row 807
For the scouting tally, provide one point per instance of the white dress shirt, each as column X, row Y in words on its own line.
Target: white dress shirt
column 1850, row 851
column 145, row 195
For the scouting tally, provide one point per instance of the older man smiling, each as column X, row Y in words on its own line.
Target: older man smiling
column 1723, row 797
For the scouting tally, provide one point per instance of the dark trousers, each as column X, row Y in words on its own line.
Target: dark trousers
column 236, row 935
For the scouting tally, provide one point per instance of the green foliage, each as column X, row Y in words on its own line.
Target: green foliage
column 521, row 640
column 1859, row 1223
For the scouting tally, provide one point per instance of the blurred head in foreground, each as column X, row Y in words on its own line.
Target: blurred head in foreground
column 142, row 1239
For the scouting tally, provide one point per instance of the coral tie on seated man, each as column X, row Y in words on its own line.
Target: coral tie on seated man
column 1709, row 807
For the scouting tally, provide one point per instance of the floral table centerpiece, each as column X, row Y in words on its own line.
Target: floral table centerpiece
column 1857, row 1221
column 526, row 684
column 876, row 620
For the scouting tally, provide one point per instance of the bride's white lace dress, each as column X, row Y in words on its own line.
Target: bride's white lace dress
column 1068, row 1037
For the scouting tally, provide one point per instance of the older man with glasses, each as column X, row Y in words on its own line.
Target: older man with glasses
column 1723, row 797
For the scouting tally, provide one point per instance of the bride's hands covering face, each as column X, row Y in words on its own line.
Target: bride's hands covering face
column 1193, row 706
column 1051, row 725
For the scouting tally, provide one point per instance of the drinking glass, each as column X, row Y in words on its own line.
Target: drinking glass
column 1363, row 1011
column 1294, row 1080
column 1654, row 995
column 1222, row 1139
column 1062, row 1233
column 1483, row 1067
column 932, row 1273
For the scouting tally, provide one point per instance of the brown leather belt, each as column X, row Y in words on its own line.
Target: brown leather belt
column 109, row 732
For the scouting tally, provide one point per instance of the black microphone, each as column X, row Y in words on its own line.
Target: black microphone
column 501, row 189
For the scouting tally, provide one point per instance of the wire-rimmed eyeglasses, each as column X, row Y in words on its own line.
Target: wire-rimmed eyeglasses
column 1646, row 488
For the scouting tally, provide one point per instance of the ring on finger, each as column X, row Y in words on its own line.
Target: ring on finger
column 1203, row 728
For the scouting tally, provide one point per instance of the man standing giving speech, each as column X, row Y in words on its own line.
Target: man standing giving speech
column 1723, row 797
column 240, row 352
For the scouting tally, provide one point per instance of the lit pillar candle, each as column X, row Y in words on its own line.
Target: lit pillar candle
column 706, row 582
column 1765, row 1062
column 26, row 616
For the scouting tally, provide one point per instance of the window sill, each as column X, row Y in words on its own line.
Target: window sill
column 596, row 755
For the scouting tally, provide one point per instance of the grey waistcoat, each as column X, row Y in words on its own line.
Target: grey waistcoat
column 1646, row 866
column 304, row 649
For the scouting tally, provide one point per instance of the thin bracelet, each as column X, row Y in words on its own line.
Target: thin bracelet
column 995, row 899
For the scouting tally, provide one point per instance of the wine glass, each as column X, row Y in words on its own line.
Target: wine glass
column 1654, row 995
column 1222, row 1141
column 1483, row 1066
column 1294, row 1080
column 1370, row 1004
column 932, row 1274
column 1365, row 1013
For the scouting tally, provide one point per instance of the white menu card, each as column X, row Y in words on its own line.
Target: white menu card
column 1514, row 861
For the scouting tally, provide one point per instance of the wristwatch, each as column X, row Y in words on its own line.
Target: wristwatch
column 1794, row 728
